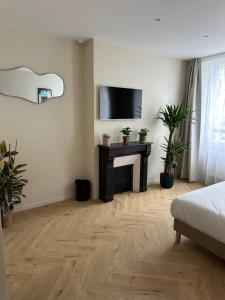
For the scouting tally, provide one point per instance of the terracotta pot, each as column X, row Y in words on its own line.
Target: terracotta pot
column 126, row 140
column 142, row 138
column 8, row 218
column 106, row 142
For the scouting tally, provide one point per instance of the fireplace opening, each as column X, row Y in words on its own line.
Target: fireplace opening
column 123, row 179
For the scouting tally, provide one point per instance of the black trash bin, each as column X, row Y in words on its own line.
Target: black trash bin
column 83, row 189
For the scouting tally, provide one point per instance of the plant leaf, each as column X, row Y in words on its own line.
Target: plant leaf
column 1, row 165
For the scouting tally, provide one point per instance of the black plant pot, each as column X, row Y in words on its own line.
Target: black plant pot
column 166, row 181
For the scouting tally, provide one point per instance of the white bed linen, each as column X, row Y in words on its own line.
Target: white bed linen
column 203, row 209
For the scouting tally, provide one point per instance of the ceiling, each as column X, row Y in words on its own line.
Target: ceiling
column 127, row 22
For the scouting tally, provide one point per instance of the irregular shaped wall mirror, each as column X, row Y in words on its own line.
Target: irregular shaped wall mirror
column 25, row 83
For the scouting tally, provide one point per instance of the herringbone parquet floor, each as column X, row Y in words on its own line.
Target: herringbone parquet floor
column 121, row 250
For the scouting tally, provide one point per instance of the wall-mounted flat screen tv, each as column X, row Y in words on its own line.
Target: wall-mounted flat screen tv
column 120, row 103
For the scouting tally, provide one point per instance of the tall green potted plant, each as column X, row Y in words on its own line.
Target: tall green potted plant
column 172, row 117
column 11, row 182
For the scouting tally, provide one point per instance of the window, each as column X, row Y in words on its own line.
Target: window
column 212, row 127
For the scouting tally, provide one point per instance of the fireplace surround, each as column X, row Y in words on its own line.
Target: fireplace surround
column 123, row 168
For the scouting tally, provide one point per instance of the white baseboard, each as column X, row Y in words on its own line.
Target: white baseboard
column 94, row 197
column 153, row 181
column 22, row 207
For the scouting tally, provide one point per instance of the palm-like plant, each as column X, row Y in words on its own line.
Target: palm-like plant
column 11, row 180
column 172, row 117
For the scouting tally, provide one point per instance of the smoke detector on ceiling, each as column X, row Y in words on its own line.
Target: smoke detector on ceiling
column 80, row 41
column 157, row 19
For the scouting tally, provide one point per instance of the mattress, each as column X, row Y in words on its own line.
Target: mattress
column 203, row 209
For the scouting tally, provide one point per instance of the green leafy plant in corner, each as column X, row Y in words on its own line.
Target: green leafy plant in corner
column 126, row 131
column 172, row 117
column 11, row 179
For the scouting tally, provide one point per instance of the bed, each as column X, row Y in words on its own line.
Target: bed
column 200, row 216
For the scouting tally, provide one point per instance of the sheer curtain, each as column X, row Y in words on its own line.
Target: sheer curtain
column 211, row 160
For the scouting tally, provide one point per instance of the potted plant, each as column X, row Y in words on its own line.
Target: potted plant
column 143, row 135
column 106, row 139
column 11, row 182
column 126, row 134
column 172, row 117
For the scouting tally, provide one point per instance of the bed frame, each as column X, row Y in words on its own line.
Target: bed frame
column 200, row 238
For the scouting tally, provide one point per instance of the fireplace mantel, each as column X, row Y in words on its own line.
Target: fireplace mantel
column 106, row 165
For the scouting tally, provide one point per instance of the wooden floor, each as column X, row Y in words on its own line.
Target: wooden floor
column 121, row 250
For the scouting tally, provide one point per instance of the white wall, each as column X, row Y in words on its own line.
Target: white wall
column 48, row 134
column 58, row 139
column 88, row 111
column 162, row 81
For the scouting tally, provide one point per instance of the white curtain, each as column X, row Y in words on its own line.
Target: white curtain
column 191, row 128
column 211, row 160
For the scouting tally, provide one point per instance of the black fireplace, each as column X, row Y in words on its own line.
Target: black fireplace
column 118, row 179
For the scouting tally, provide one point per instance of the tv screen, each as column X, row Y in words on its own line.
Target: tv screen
column 120, row 103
